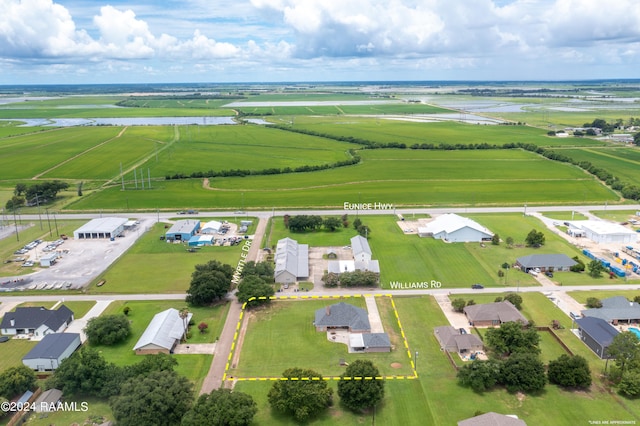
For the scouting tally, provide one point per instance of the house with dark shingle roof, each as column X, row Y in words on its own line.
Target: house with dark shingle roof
column 51, row 351
column 616, row 309
column 369, row 342
column 545, row 262
column 342, row 316
column 597, row 334
column 493, row 314
column 451, row 340
column 36, row 321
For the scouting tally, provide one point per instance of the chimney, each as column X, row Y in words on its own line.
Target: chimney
column 328, row 310
column 13, row 322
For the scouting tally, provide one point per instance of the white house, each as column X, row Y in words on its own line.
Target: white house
column 360, row 248
column 453, row 228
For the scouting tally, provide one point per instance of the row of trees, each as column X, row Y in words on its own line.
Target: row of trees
column 40, row 193
column 351, row 279
column 149, row 392
column 305, row 394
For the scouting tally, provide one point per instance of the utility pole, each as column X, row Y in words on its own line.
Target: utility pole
column 15, row 222
column 121, row 176
column 39, row 215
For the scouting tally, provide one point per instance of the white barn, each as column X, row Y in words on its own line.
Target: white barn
column 163, row 333
column 601, row 231
column 360, row 248
column 292, row 261
column 51, row 351
column 104, row 227
column 211, row 227
column 455, row 229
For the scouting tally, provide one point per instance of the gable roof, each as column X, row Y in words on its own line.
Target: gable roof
column 546, row 260
column 451, row 222
column 615, row 308
column 342, row 315
column 600, row 330
column 376, row 340
column 53, row 345
column 492, row 419
column 34, row 317
column 291, row 257
column 498, row 311
column 359, row 244
column 212, row 225
column 164, row 330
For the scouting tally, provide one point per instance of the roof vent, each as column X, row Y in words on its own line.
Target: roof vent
column 328, row 310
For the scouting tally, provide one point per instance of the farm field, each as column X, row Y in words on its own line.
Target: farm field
column 623, row 163
column 380, row 107
column 154, row 266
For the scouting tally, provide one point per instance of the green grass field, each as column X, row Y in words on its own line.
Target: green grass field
column 98, row 411
column 624, row 163
column 13, row 351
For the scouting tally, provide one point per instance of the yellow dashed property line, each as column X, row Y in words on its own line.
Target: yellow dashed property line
column 236, row 334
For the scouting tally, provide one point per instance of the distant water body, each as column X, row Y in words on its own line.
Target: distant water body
column 125, row 121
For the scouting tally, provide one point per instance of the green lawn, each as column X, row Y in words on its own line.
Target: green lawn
column 194, row 367
column 98, row 411
column 155, row 266
column 582, row 296
column 13, row 351
column 282, row 335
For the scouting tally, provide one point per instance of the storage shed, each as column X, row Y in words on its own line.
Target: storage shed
column 51, row 351
column 48, row 259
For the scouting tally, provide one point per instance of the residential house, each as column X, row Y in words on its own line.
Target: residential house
column 163, row 333
column 597, row 334
column 452, row 340
column 493, row 314
column 36, row 321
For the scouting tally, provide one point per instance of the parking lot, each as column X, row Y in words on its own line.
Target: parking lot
column 78, row 262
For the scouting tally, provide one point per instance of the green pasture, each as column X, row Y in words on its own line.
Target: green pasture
column 281, row 335
column 193, row 366
column 12, row 128
column 550, row 115
column 26, row 156
column 568, row 215
column 624, row 163
column 178, row 103
column 411, row 178
column 419, row 315
column 617, row 215
column 154, row 266
column 332, row 110
column 411, row 132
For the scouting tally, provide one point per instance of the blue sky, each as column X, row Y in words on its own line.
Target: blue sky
column 60, row 41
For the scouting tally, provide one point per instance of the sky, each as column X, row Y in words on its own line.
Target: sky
column 219, row 41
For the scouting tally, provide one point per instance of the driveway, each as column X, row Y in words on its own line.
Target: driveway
column 79, row 324
column 374, row 315
column 456, row 319
column 195, row 348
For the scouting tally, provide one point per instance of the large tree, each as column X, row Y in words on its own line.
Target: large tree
column 303, row 399
column 84, row 372
column 254, row 286
column 160, row 398
column 209, row 282
column 264, row 270
column 625, row 349
column 221, row 407
column 570, row 372
column 515, row 299
column 523, row 372
column 595, row 269
column 535, row 238
column 16, row 380
column 356, row 392
column 107, row 330
column 512, row 338
column 480, row 375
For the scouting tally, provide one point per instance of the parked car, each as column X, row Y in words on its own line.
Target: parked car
column 4, row 339
column 549, row 274
column 477, row 286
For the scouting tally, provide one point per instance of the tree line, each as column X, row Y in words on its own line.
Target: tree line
column 38, row 194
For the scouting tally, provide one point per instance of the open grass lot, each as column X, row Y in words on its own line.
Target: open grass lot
column 98, row 412
column 568, row 215
column 582, row 296
column 381, row 130
column 282, row 335
column 13, row 351
column 79, row 307
column 194, row 366
column 404, row 178
column 439, row 388
column 154, row 266
column 623, row 163
column 617, row 215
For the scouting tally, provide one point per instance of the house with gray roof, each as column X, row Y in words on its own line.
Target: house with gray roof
column 614, row 310
column 342, row 316
column 360, row 248
column 451, row 340
column 492, row 419
column 369, row 342
column 545, row 262
column 493, row 314
column 597, row 334
column 292, row 261
column 36, row 321
column 163, row 333
column 51, row 351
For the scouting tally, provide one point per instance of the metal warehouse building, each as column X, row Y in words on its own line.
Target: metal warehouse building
column 104, row 227
column 183, row 230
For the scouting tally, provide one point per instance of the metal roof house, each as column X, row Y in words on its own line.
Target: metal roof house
column 51, row 351
column 453, row 228
column 103, row 227
column 615, row 309
column 493, row 314
column 451, row 340
column 163, row 333
column 292, row 261
column 342, row 316
column 545, row 262
column 183, row 230
column 360, row 248
column 597, row 334
column 37, row 321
